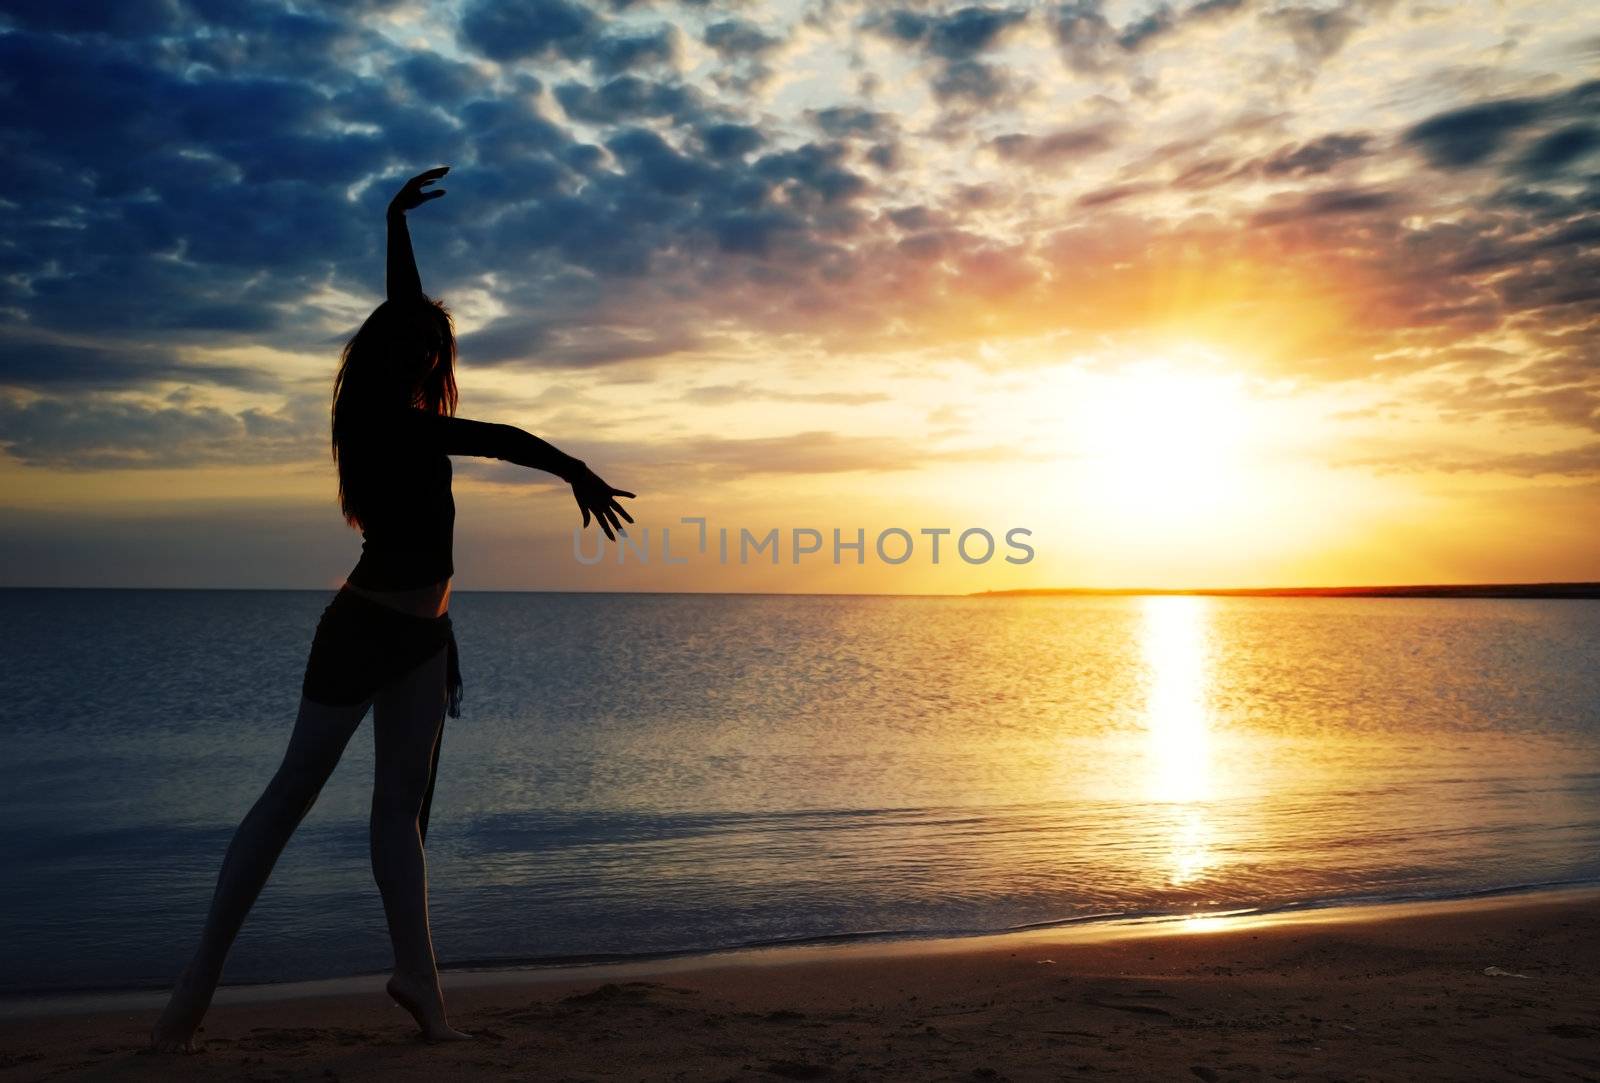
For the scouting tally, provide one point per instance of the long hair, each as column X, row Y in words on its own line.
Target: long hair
column 404, row 355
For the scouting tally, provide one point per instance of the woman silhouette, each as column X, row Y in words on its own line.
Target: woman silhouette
column 385, row 641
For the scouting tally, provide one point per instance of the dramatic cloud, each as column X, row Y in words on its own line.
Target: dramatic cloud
column 1477, row 133
column 955, row 42
column 177, row 432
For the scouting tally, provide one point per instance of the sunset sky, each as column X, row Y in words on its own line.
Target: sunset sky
column 1228, row 293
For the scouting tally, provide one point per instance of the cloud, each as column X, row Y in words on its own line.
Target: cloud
column 1114, row 194
column 1090, row 44
column 1331, row 153
column 1465, row 137
column 1326, row 203
column 811, row 452
column 955, row 42
column 735, row 38
column 439, row 79
column 536, row 344
column 801, row 453
column 102, row 433
column 1555, row 387
column 1084, row 35
column 626, row 98
column 1476, row 134
column 26, row 363
column 727, row 140
column 853, row 121
column 747, row 52
column 135, row 18
column 1554, row 152
column 624, row 52
column 1318, row 33
column 1320, row 155
column 507, row 30
column 745, row 391
column 1581, row 461
column 1052, row 147
column 957, row 35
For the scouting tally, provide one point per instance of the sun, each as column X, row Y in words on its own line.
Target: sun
column 1164, row 443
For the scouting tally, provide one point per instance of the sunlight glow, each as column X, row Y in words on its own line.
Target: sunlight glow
column 1167, row 443
column 1176, row 717
column 1177, row 722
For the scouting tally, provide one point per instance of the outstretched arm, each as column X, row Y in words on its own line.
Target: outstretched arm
column 488, row 440
column 403, row 281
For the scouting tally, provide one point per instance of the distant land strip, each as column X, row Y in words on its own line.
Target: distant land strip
column 1438, row 590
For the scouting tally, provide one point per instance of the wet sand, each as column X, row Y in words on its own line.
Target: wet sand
column 1368, row 993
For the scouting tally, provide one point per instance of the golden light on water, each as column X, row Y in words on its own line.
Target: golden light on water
column 1177, row 723
column 1176, row 717
column 1191, row 847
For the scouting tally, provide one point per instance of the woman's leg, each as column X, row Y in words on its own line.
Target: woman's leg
column 407, row 717
column 320, row 735
column 427, row 796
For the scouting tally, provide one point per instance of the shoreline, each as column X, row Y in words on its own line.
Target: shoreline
column 1487, row 988
column 1087, row 929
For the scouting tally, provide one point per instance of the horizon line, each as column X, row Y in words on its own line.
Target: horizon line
column 1540, row 589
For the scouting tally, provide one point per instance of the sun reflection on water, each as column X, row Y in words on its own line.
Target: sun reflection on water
column 1177, row 723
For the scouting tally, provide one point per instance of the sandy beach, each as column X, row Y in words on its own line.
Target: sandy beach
column 1494, row 988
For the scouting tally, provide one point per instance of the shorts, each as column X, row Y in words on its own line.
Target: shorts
column 362, row 646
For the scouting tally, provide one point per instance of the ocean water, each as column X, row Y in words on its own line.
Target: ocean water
column 660, row 773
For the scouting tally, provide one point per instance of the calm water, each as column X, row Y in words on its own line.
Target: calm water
column 640, row 773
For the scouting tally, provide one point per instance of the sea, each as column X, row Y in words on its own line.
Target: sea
column 637, row 775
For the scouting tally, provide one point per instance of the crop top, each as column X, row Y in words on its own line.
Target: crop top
column 408, row 516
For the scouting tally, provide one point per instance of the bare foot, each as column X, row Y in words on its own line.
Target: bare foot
column 421, row 997
column 178, row 1028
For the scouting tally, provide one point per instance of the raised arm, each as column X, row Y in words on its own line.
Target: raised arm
column 490, row 440
column 402, row 279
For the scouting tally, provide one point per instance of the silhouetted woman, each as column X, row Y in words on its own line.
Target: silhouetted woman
column 385, row 641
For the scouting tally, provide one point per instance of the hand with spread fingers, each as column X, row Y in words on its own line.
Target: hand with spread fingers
column 598, row 499
column 412, row 195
